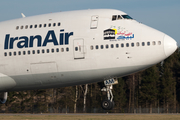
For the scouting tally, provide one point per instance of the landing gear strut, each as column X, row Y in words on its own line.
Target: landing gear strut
column 108, row 104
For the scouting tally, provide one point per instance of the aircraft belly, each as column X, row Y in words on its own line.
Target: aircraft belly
column 63, row 79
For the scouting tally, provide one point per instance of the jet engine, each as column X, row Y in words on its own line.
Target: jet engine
column 3, row 97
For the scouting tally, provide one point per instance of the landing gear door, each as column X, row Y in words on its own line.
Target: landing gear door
column 94, row 22
column 79, row 49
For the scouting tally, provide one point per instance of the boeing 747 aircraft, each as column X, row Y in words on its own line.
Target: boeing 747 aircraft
column 77, row 47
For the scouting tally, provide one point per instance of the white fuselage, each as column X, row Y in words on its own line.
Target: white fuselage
column 78, row 47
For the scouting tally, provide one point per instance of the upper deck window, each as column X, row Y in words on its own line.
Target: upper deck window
column 126, row 17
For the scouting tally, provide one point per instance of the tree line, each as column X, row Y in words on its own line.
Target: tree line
column 154, row 90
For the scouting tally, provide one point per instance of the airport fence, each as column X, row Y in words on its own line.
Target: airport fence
column 55, row 109
column 93, row 110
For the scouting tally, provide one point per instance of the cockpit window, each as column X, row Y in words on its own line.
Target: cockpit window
column 114, row 17
column 126, row 17
column 119, row 17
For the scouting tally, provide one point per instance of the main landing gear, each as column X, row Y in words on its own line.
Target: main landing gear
column 108, row 104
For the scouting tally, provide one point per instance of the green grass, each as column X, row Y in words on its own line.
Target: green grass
column 91, row 117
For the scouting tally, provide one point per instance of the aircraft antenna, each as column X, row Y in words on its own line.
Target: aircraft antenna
column 23, row 15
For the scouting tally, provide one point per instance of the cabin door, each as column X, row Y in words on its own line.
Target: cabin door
column 79, row 49
column 94, row 21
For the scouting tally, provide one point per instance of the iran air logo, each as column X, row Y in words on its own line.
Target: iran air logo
column 28, row 41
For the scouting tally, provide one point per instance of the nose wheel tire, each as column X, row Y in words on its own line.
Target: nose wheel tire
column 107, row 105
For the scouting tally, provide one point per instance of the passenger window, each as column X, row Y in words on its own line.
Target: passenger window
column 26, row 27
column 76, row 48
column 5, row 54
column 17, row 27
column 49, row 24
column 91, row 47
column 107, row 46
column 97, row 47
column 29, row 52
column 38, row 51
column 31, row 26
column 122, row 45
column 40, row 25
column 43, row 51
column 114, row 17
column 19, row 52
column 62, row 49
column 117, row 45
column 159, row 42
column 33, row 52
column 52, row 50
column 57, row 49
column 127, row 44
column 14, row 53
column 102, row 46
column 59, row 24
column 154, row 43
column 143, row 44
column 44, row 25
column 54, row 24
column 132, row 44
column 67, row 49
column 137, row 44
column 24, row 52
column 22, row 27
column 148, row 43
column 35, row 26
column 112, row 46
column 10, row 53
column 47, row 50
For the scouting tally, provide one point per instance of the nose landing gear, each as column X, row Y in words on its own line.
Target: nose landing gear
column 108, row 104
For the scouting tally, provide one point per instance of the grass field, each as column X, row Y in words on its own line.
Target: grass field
column 91, row 117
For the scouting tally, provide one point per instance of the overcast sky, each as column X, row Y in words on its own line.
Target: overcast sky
column 163, row 15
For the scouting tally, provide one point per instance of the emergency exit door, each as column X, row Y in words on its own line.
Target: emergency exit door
column 94, row 21
column 79, row 49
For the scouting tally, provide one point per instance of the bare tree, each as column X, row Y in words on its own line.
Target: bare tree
column 85, row 93
column 76, row 98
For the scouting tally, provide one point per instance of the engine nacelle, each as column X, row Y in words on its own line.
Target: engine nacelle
column 3, row 97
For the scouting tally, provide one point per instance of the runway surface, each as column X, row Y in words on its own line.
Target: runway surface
column 89, row 114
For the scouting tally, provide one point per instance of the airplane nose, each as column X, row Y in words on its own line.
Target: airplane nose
column 170, row 45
